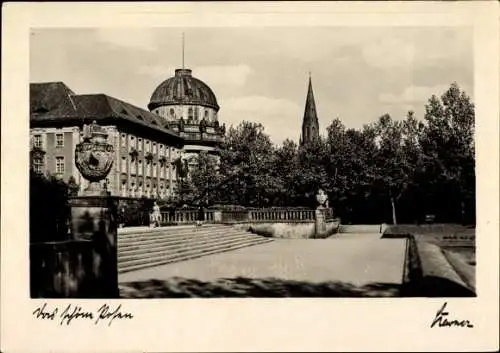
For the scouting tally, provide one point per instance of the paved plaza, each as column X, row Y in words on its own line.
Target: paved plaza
column 355, row 260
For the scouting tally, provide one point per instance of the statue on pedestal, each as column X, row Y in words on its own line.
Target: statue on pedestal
column 320, row 221
column 322, row 199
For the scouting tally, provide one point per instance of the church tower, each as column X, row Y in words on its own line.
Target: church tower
column 310, row 125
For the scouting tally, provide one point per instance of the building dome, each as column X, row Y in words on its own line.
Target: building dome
column 183, row 89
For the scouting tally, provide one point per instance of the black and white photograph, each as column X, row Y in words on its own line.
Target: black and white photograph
column 269, row 162
column 202, row 157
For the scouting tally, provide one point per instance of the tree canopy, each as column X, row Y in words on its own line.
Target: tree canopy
column 388, row 171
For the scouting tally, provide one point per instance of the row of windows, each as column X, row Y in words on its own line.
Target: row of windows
column 38, row 165
column 193, row 114
column 138, row 143
column 138, row 167
column 140, row 192
column 59, row 141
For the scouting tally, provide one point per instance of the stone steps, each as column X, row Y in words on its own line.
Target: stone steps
column 154, row 247
column 145, row 240
column 177, row 246
column 165, row 230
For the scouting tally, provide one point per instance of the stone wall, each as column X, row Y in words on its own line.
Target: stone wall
column 295, row 230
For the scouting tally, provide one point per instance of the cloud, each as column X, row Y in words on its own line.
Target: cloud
column 156, row 70
column 281, row 117
column 234, row 75
column 217, row 75
column 413, row 94
column 131, row 38
column 389, row 53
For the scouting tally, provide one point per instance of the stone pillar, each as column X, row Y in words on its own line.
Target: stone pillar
column 94, row 214
column 94, row 218
column 320, row 224
column 217, row 216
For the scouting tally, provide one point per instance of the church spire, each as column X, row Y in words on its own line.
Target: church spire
column 310, row 125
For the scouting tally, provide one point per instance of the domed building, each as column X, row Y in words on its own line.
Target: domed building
column 190, row 108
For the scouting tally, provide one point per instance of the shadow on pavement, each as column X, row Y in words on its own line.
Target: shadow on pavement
column 178, row 287
column 432, row 286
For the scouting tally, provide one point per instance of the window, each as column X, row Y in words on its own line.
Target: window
column 60, row 165
column 206, row 114
column 38, row 165
column 124, row 165
column 139, row 146
column 190, row 113
column 172, row 113
column 59, row 140
column 161, row 150
column 154, row 147
column 154, row 170
column 133, row 167
column 124, row 140
column 37, row 141
column 148, row 146
column 196, row 113
column 140, row 168
column 132, row 142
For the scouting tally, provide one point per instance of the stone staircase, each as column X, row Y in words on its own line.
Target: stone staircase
column 359, row 228
column 148, row 247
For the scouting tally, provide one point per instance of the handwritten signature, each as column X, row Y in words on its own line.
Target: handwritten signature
column 76, row 312
column 441, row 320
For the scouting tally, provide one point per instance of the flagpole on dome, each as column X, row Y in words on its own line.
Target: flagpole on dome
column 182, row 50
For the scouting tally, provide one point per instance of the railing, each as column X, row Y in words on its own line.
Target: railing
column 197, row 136
column 281, row 215
column 233, row 216
column 249, row 215
column 186, row 216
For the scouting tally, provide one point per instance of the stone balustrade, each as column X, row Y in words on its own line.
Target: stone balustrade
column 278, row 215
column 253, row 215
column 186, row 216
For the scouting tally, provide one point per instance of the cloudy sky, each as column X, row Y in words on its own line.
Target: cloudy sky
column 260, row 74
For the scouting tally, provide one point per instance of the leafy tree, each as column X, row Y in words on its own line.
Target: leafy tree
column 204, row 178
column 49, row 208
column 312, row 174
column 397, row 158
column 73, row 187
column 286, row 171
column 447, row 142
column 246, row 163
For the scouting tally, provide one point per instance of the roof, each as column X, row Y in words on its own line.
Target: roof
column 55, row 102
column 51, row 99
column 183, row 88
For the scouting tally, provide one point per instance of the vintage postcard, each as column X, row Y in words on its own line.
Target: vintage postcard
column 250, row 176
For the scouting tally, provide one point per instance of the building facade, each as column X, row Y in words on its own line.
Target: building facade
column 145, row 149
